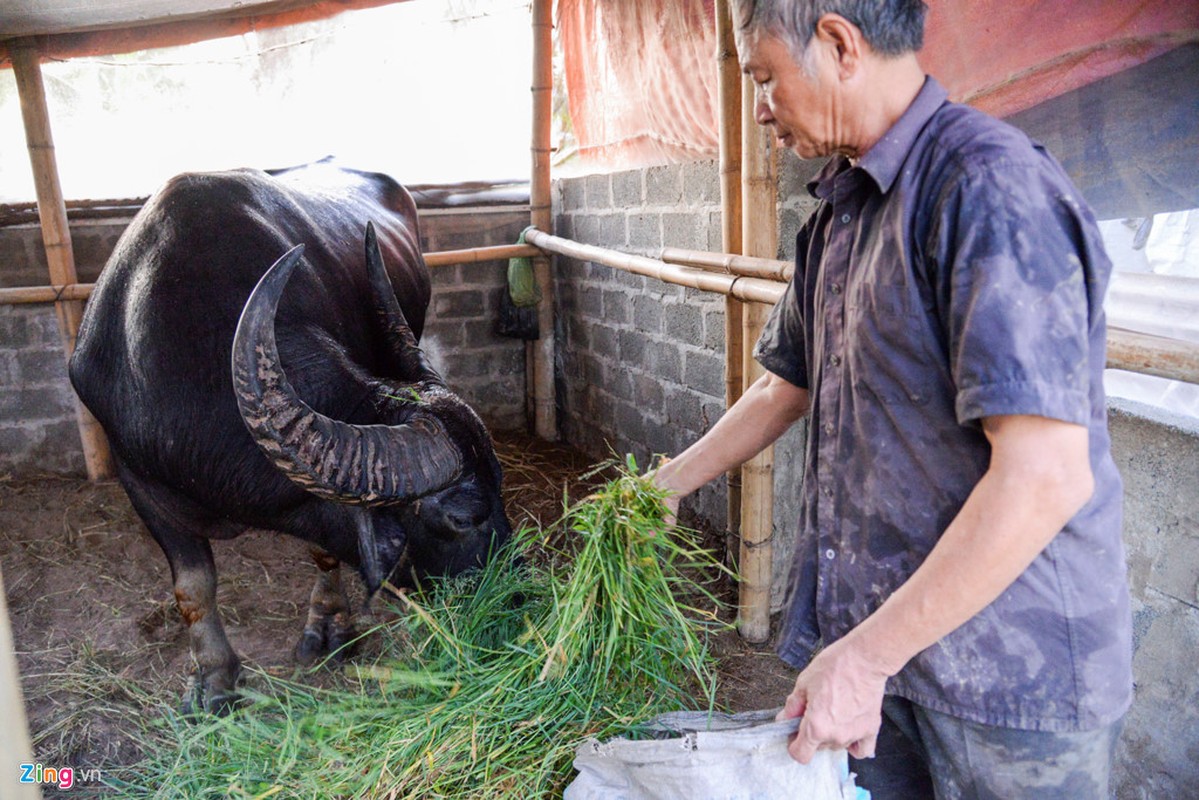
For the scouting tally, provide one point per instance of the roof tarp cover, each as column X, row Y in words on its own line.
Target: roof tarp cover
column 641, row 77
column 70, row 29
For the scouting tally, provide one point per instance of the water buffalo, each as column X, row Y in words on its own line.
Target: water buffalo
column 294, row 398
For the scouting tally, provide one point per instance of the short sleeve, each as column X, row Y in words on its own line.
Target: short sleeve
column 1018, row 314
column 781, row 347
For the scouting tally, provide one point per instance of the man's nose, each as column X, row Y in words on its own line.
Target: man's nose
column 762, row 113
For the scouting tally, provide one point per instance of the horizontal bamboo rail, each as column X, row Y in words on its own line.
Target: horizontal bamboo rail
column 1164, row 357
column 81, row 291
column 750, row 266
column 474, row 255
column 743, row 288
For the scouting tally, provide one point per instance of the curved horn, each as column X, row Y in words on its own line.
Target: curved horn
column 401, row 343
column 357, row 464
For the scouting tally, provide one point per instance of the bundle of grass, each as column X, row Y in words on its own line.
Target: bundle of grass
column 501, row 676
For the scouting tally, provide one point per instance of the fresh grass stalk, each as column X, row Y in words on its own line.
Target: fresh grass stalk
column 505, row 673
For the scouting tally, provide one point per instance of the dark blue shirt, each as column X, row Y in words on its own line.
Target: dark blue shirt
column 951, row 274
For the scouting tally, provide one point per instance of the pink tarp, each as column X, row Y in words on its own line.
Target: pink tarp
column 641, row 77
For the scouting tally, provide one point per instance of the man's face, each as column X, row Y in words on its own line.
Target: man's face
column 803, row 109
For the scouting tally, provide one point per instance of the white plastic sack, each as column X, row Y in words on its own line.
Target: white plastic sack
column 710, row 757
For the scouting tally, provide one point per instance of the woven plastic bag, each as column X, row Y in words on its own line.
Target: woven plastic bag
column 710, row 757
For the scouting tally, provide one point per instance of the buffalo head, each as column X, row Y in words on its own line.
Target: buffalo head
column 421, row 477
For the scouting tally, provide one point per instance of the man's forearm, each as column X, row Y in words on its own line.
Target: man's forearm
column 764, row 413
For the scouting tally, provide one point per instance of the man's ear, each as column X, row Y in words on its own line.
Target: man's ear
column 845, row 40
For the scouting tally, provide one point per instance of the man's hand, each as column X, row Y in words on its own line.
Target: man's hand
column 840, row 697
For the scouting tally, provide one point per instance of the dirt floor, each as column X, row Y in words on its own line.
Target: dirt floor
column 99, row 641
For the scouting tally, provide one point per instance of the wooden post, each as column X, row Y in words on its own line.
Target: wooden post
column 728, row 82
column 14, row 734
column 760, row 238
column 56, row 233
column 545, row 412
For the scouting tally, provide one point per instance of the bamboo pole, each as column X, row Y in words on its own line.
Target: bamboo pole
column 760, row 238
column 56, row 233
column 728, row 87
column 1152, row 355
column 545, row 414
column 747, row 289
column 14, row 734
column 473, row 255
column 772, row 269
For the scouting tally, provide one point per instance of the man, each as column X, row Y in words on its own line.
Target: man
column 958, row 601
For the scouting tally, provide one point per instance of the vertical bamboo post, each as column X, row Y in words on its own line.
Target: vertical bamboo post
column 14, row 734
column 56, row 232
column 545, row 416
column 760, row 238
column 728, row 83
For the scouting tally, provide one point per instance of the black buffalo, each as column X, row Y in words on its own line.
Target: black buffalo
column 294, row 398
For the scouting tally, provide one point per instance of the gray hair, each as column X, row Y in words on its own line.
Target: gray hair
column 890, row 27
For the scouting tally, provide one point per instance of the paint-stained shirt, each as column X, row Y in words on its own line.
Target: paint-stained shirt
column 950, row 274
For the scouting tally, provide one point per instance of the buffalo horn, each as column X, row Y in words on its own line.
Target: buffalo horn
column 356, row 464
column 399, row 338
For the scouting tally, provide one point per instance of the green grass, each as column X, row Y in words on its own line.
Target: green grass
column 488, row 682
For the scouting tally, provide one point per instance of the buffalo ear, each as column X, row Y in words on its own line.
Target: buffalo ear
column 399, row 340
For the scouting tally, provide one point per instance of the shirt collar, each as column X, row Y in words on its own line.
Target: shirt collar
column 884, row 160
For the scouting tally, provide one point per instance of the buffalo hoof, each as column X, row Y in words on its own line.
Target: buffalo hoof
column 199, row 701
column 330, row 638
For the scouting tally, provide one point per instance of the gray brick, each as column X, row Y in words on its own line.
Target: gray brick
column 468, row 303
column 573, row 196
column 612, row 231
column 599, row 193
column 715, row 239
column 647, row 313
column 590, row 301
column 619, row 382
column 683, row 230
column 45, row 402
column 626, row 189
column 714, row 328
column 631, row 421
column 683, row 323
column 704, row 373
column 701, row 182
column 587, row 229
column 683, row 409
column 617, row 308
column 632, row 348
column 630, row 280
column 41, row 367
column 649, row 392
column 665, row 361
column 604, row 341
column 645, row 231
column 664, row 185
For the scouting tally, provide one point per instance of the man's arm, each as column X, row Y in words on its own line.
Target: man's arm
column 764, row 413
column 1038, row 478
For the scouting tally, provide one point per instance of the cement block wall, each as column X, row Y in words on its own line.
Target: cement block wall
column 640, row 372
column 37, row 417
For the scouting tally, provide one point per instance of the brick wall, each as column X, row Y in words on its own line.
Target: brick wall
column 37, row 417
column 641, row 362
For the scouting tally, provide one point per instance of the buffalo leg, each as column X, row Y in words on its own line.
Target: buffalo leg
column 182, row 534
column 330, row 625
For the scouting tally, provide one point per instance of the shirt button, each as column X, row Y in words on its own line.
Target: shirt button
column 835, row 288
column 828, row 427
column 834, row 359
column 828, row 492
column 829, row 554
column 845, row 218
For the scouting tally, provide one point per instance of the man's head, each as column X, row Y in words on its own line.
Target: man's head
column 832, row 75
